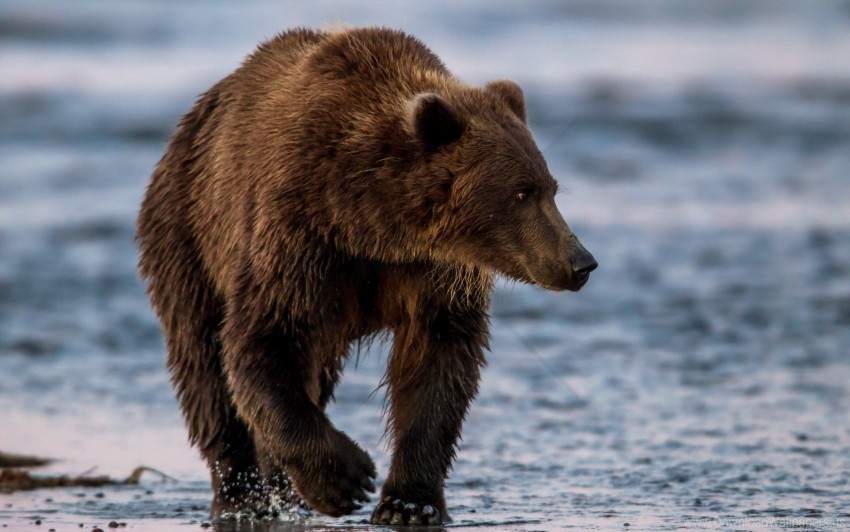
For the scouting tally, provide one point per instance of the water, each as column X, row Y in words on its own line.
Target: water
column 700, row 379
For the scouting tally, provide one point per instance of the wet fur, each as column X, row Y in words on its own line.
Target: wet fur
column 293, row 215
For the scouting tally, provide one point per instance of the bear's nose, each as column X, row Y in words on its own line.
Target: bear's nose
column 583, row 265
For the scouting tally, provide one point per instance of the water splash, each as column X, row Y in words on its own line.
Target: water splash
column 260, row 498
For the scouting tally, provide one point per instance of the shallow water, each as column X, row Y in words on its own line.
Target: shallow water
column 700, row 379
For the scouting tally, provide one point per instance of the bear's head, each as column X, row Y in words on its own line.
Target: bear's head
column 497, row 206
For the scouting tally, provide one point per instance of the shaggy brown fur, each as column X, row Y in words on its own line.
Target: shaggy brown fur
column 335, row 186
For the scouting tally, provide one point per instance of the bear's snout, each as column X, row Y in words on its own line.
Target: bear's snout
column 578, row 265
column 569, row 275
column 582, row 266
column 563, row 271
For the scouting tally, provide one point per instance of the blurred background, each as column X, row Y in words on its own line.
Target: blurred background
column 704, row 150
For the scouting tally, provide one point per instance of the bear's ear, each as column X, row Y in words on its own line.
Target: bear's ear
column 433, row 120
column 511, row 93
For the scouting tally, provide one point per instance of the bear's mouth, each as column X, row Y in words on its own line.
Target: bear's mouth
column 547, row 286
column 557, row 279
column 518, row 270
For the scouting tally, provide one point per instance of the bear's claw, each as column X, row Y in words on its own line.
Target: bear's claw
column 396, row 512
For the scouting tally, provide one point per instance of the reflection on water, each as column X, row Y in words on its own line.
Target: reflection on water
column 701, row 375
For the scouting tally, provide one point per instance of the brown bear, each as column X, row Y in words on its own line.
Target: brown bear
column 336, row 186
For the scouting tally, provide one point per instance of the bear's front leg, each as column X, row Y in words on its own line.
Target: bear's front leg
column 433, row 376
column 272, row 368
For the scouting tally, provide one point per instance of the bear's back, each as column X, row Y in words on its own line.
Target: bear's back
column 302, row 115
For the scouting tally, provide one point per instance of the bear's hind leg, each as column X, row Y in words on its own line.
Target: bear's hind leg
column 223, row 439
column 191, row 315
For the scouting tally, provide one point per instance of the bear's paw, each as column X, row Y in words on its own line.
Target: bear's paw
column 334, row 480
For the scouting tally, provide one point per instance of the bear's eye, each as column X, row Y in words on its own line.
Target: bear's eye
column 523, row 194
